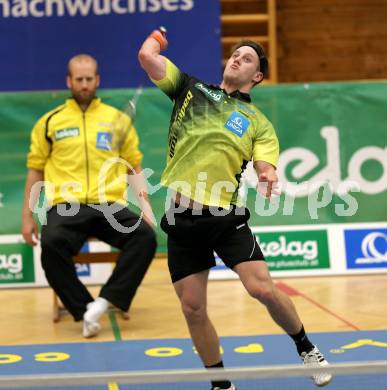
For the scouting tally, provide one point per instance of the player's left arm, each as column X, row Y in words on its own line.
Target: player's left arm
column 267, row 178
column 130, row 151
column 139, row 187
column 265, row 156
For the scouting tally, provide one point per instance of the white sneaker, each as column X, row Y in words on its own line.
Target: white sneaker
column 95, row 309
column 229, row 388
column 315, row 358
column 90, row 329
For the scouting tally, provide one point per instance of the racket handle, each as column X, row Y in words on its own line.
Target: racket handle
column 163, row 30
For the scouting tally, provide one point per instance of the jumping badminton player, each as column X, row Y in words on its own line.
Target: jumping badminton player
column 214, row 131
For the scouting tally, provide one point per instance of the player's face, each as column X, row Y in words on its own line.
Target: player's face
column 242, row 68
column 83, row 81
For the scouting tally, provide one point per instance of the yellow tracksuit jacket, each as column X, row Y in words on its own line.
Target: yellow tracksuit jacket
column 85, row 156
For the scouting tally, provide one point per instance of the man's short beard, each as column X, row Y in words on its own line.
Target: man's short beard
column 83, row 100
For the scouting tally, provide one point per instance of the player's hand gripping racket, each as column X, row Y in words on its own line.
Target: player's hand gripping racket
column 160, row 35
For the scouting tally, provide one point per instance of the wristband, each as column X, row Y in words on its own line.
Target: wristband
column 159, row 37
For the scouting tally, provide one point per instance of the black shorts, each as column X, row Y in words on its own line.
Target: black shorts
column 192, row 240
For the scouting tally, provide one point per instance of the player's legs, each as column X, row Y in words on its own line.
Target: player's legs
column 192, row 292
column 189, row 259
column 256, row 279
column 240, row 251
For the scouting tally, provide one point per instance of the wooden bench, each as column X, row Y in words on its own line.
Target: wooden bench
column 86, row 258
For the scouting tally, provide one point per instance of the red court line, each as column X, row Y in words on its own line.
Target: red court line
column 293, row 292
column 288, row 290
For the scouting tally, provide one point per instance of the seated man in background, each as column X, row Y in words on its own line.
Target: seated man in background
column 82, row 150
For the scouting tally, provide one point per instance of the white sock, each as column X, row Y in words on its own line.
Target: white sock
column 96, row 309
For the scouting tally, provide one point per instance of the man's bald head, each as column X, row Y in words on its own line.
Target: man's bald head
column 79, row 59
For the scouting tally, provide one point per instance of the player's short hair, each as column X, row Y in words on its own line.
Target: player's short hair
column 81, row 58
column 263, row 61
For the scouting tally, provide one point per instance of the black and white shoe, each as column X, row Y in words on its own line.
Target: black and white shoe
column 315, row 358
column 228, row 388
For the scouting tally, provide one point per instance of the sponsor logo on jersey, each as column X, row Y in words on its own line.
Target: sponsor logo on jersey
column 66, row 133
column 104, row 140
column 214, row 95
column 237, row 123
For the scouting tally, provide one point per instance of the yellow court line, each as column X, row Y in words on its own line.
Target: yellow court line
column 113, row 386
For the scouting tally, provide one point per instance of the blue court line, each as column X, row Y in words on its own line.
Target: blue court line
column 178, row 353
column 157, row 354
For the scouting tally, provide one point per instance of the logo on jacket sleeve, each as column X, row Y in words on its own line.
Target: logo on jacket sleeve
column 104, row 140
column 237, row 123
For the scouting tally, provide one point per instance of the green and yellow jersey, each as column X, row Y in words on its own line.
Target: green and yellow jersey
column 212, row 137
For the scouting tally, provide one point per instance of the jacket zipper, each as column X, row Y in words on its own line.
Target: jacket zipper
column 87, row 159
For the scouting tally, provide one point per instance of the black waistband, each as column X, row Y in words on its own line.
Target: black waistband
column 210, row 211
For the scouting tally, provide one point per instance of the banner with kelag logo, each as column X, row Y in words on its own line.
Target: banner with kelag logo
column 295, row 250
column 16, row 264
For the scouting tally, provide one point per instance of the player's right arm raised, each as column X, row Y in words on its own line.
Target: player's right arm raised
column 149, row 55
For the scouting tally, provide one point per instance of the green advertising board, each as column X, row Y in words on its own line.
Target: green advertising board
column 16, row 264
column 333, row 151
column 295, row 250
